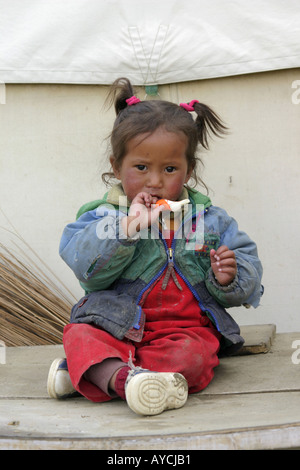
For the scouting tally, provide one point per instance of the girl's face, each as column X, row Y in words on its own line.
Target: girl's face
column 155, row 164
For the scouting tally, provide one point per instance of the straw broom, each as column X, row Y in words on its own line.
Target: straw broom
column 33, row 309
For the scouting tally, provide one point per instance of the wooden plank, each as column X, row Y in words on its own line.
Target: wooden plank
column 282, row 438
column 240, row 409
column 258, row 338
column 246, row 421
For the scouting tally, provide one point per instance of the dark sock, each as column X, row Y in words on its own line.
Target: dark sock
column 101, row 373
column 120, row 382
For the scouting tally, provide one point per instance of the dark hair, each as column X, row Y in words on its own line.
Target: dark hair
column 147, row 116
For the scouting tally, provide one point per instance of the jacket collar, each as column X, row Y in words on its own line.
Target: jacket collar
column 114, row 194
column 117, row 192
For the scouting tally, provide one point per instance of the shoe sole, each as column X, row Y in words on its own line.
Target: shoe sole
column 151, row 393
column 51, row 378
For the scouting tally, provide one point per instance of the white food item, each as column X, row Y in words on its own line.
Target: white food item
column 175, row 206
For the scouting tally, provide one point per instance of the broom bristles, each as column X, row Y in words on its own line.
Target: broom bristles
column 33, row 309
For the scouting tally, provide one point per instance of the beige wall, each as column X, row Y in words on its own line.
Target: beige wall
column 52, row 156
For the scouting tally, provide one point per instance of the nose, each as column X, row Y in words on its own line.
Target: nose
column 154, row 180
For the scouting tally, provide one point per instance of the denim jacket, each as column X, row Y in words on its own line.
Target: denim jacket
column 116, row 272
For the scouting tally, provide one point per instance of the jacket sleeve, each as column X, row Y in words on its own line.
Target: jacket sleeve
column 96, row 248
column 246, row 288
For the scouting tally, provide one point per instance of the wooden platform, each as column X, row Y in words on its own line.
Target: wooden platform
column 253, row 402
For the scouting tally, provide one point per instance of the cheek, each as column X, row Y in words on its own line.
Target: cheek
column 131, row 183
column 175, row 188
column 131, row 177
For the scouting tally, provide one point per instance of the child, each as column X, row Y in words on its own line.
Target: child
column 153, row 320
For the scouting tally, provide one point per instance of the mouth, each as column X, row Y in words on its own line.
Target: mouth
column 155, row 198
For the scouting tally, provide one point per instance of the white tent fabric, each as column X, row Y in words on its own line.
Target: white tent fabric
column 148, row 41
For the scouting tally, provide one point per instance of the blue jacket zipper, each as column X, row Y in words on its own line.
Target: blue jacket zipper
column 170, row 251
column 203, row 308
column 151, row 282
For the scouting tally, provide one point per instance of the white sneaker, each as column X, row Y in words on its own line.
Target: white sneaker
column 59, row 384
column 151, row 393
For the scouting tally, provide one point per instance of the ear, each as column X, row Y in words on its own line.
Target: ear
column 114, row 167
column 189, row 174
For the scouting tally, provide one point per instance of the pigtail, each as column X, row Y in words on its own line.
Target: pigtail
column 208, row 122
column 120, row 91
column 135, row 117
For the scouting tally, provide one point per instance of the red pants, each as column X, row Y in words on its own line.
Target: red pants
column 177, row 338
column 189, row 351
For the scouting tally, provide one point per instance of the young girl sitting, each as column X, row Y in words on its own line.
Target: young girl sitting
column 152, row 322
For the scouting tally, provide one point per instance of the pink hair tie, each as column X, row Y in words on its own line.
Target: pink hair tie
column 189, row 106
column 133, row 100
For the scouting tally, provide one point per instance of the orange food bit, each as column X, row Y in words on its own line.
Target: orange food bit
column 163, row 202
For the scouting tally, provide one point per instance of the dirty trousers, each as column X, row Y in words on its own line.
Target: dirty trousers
column 189, row 351
column 177, row 337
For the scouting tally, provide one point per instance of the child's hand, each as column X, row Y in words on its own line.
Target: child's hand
column 223, row 264
column 141, row 214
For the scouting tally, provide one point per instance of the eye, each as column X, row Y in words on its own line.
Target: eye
column 170, row 169
column 141, row 167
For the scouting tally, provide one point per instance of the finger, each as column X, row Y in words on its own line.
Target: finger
column 147, row 199
column 230, row 260
column 225, row 270
column 227, row 264
column 222, row 249
column 140, row 198
column 154, row 199
column 226, row 254
column 216, row 254
column 226, row 260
